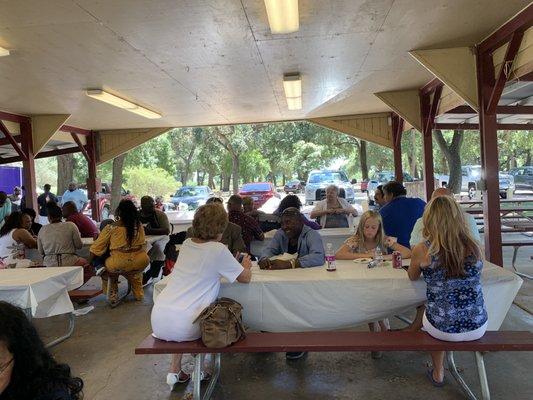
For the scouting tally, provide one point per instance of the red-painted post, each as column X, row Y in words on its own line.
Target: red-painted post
column 92, row 190
column 397, row 129
column 28, row 164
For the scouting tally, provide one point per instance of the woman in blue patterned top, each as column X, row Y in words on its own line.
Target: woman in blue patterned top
column 450, row 261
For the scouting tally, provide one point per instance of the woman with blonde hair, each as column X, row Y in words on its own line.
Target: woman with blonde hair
column 451, row 263
column 195, row 282
column 367, row 238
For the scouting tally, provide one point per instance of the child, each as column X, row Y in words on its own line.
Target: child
column 369, row 236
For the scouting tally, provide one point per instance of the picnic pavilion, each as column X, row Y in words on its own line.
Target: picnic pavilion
column 370, row 69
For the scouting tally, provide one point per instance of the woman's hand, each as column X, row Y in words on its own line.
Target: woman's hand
column 390, row 241
column 246, row 261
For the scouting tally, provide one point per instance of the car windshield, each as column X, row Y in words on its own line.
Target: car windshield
column 190, row 191
column 256, row 187
column 330, row 177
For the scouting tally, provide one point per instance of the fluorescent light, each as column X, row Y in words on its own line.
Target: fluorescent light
column 294, row 103
column 3, row 52
column 282, row 16
column 292, row 84
column 121, row 103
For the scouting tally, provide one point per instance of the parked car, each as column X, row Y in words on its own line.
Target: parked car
column 471, row 175
column 260, row 192
column 381, row 178
column 192, row 196
column 104, row 199
column 294, row 186
column 523, row 177
column 315, row 188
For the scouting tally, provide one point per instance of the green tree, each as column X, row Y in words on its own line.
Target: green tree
column 150, row 181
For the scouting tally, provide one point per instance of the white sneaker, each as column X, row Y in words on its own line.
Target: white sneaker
column 173, row 378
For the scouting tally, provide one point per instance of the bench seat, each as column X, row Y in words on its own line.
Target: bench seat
column 345, row 341
column 84, row 294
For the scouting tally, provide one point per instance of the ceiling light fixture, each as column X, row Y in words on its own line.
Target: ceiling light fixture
column 121, row 103
column 292, row 84
column 282, row 16
column 3, row 52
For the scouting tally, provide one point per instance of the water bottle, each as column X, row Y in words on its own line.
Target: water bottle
column 378, row 255
column 330, row 258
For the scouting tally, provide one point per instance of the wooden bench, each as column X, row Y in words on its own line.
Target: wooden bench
column 342, row 341
column 81, row 295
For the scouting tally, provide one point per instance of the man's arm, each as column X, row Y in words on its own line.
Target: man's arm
column 256, row 229
column 164, row 225
column 315, row 258
column 275, row 247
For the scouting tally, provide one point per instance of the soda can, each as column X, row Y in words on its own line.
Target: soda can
column 396, row 259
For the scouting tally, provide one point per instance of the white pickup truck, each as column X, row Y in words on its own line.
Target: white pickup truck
column 471, row 175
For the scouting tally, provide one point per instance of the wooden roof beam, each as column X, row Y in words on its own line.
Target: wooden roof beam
column 405, row 103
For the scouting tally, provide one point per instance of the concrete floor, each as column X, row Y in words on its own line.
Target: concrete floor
column 101, row 352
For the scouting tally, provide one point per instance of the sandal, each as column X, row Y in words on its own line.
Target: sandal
column 429, row 375
column 180, row 377
column 204, row 376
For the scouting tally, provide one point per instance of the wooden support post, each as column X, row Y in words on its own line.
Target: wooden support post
column 28, row 165
column 428, row 110
column 397, row 129
column 92, row 189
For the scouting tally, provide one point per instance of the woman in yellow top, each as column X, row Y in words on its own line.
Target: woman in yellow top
column 125, row 241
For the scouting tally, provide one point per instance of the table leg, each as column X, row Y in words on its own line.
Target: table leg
column 515, row 252
column 485, row 393
column 458, row 377
column 60, row 339
column 196, row 378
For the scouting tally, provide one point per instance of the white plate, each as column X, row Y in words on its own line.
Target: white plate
column 362, row 260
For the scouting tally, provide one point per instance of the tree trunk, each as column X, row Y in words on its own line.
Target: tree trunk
column 235, row 168
column 528, row 158
column 412, row 156
column 65, row 170
column 283, row 180
column 227, row 181
column 363, row 159
column 452, row 152
column 116, row 181
column 211, row 180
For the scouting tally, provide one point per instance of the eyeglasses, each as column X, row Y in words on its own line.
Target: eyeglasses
column 4, row 367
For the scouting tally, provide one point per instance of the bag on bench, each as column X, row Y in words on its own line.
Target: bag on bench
column 221, row 323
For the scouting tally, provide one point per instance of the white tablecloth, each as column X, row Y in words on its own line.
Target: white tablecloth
column 311, row 299
column 335, row 236
column 43, row 290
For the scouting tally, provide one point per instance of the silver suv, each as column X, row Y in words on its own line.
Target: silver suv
column 318, row 181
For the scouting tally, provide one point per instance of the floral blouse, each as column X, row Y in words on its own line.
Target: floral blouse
column 455, row 305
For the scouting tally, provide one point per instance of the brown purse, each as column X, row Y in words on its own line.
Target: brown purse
column 221, row 323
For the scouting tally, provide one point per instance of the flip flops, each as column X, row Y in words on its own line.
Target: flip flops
column 429, row 375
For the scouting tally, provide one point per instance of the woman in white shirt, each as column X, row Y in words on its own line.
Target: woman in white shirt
column 195, row 282
column 334, row 211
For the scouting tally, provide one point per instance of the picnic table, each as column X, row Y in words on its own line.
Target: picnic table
column 517, row 200
column 521, row 211
column 42, row 292
column 308, row 299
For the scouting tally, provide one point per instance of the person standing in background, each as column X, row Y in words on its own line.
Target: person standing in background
column 44, row 199
column 76, row 195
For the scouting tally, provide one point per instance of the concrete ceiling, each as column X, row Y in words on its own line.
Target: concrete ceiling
column 215, row 62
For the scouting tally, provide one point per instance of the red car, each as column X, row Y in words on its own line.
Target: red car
column 364, row 186
column 260, row 192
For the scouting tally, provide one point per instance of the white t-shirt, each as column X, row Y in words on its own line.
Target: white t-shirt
column 193, row 284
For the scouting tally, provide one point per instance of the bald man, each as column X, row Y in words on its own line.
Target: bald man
column 416, row 234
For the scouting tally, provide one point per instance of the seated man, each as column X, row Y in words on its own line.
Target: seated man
column 232, row 235
column 294, row 238
column 155, row 223
column 85, row 225
column 250, row 227
column 416, row 234
column 400, row 213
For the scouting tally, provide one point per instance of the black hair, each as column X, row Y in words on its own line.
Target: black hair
column 380, row 188
column 12, row 221
column 214, row 200
column 54, row 211
column 35, row 372
column 394, row 188
column 29, row 211
column 235, row 199
column 47, row 185
column 290, row 200
column 129, row 216
column 291, row 212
